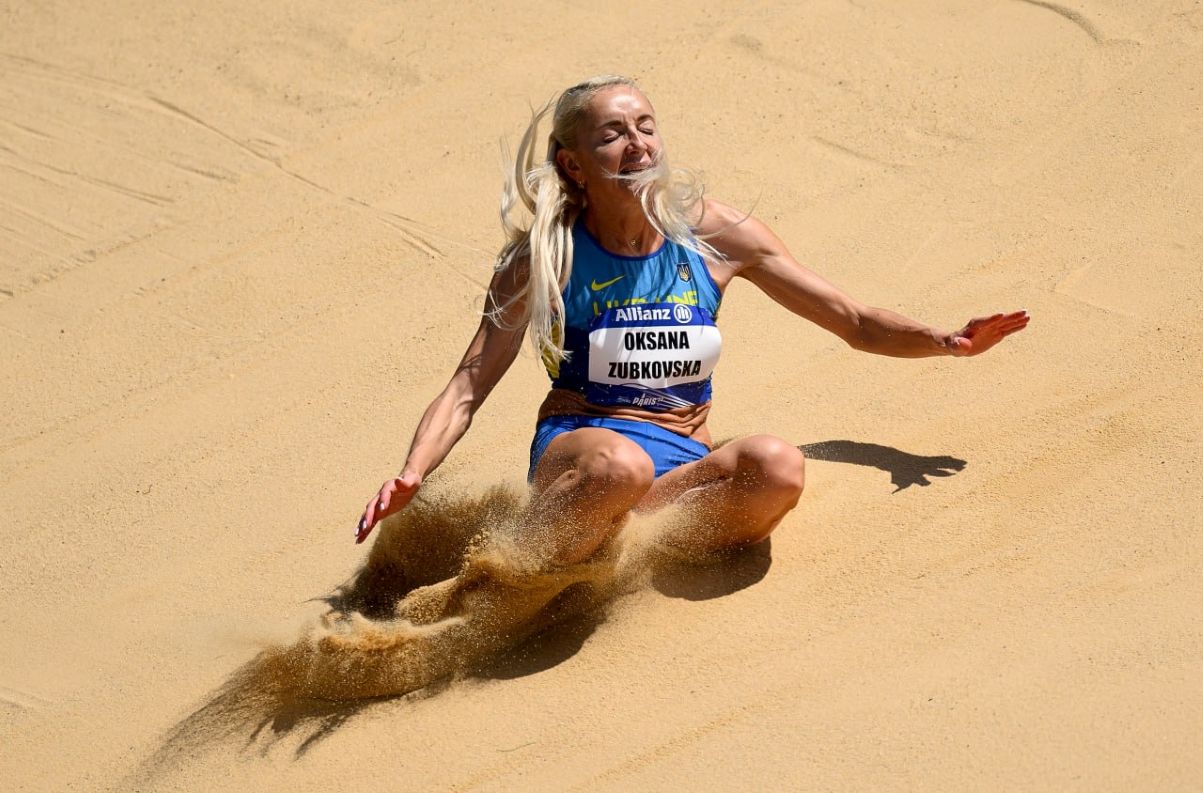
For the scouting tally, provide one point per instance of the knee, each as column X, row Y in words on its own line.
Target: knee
column 777, row 465
column 619, row 465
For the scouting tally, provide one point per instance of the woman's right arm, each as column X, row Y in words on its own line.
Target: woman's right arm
column 488, row 357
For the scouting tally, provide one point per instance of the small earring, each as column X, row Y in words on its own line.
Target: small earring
column 580, row 185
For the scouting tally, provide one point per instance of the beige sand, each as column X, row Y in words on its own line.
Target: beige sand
column 240, row 251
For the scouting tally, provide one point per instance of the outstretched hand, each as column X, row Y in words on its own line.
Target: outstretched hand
column 393, row 496
column 983, row 333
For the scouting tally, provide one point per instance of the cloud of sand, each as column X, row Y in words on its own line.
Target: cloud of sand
column 445, row 589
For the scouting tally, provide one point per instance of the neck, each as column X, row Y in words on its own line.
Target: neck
column 623, row 230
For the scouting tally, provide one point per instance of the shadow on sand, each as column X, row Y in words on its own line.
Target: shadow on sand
column 905, row 469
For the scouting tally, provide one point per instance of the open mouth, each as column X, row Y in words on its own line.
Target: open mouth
column 634, row 168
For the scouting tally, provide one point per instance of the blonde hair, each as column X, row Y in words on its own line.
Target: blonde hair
column 669, row 196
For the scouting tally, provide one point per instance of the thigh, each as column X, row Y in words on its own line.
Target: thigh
column 750, row 463
column 733, row 497
column 585, row 446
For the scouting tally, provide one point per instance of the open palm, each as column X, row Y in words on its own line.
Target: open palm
column 982, row 333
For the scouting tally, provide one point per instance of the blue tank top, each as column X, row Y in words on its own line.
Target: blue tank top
column 638, row 330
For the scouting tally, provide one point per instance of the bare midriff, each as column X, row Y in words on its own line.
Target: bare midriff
column 687, row 421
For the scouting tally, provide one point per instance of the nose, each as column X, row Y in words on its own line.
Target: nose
column 636, row 143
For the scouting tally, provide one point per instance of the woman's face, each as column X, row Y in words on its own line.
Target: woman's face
column 617, row 135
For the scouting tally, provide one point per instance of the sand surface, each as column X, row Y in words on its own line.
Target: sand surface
column 241, row 249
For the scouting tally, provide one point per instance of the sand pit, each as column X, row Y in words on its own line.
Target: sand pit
column 241, row 250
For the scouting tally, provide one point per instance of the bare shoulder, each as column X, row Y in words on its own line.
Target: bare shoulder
column 737, row 235
column 716, row 215
column 506, row 295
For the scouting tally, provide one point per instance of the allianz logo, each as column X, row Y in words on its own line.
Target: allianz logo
column 679, row 312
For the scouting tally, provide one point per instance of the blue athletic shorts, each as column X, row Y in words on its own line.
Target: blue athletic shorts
column 666, row 448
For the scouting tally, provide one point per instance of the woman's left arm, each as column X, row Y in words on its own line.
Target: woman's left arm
column 754, row 252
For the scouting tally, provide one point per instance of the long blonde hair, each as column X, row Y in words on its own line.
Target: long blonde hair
column 543, row 246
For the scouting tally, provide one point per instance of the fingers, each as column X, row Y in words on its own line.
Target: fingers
column 393, row 496
column 372, row 513
column 1013, row 322
column 1015, row 317
column 1002, row 324
column 366, row 522
column 982, row 333
column 1008, row 325
column 985, row 320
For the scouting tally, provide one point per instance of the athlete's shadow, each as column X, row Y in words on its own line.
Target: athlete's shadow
column 719, row 576
column 905, row 469
column 573, row 617
column 716, row 577
column 568, row 622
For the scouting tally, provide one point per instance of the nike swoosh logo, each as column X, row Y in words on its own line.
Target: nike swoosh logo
column 596, row 287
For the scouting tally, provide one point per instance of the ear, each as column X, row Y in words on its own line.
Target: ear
column 569, row 165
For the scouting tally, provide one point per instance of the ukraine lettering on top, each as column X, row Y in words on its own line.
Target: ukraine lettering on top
column 688, row 297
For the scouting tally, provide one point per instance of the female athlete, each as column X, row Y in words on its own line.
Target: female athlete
column 618, row 280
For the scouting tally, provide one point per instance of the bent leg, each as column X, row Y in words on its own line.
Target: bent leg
column 584, row 486
column 735, row 496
